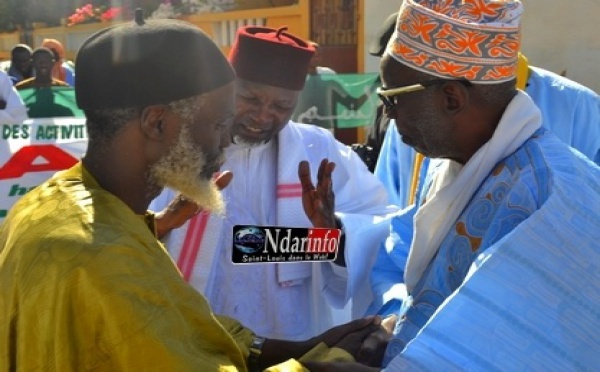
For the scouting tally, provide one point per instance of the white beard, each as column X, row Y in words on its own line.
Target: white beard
column 183, row 169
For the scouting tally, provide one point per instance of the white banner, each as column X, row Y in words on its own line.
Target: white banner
column 32, row 151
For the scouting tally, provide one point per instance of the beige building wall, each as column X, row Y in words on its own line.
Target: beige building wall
column 376, row 11
column 558, row 35
column 563, row 35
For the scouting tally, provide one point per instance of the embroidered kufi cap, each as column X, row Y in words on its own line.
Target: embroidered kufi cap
column 147, row 62
column 271, row 57
column 477, row 40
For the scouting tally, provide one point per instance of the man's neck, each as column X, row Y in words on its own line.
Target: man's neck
column 121, row 178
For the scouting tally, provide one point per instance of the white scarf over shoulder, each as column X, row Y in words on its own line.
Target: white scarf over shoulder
column 434, row 219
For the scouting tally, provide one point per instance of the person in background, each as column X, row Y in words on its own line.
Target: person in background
column 42, row 62
column 572, row 110
column 20, row 63
column 497, row 255
column 376, row 132
column 62, row 69
column 12, row 108
column 85, row 283
column 275, row 161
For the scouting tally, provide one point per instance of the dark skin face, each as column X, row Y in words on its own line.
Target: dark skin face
column 146, row 139
column 446, row 120
column 42, row 63
column 261, row 111
column 21, row 59
column 209, row 127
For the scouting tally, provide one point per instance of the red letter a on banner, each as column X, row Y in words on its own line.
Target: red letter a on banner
column 23, row 161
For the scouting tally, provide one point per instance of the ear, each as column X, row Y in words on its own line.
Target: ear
column 152, row 124
column 456, row 97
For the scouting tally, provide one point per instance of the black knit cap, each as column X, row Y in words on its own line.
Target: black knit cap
column 383, row 35
column 145, row 63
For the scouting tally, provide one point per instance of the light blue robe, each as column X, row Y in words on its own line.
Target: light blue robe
column 513, row 236
column 569, row 110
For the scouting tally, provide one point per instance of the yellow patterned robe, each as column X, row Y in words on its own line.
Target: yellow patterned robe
column 85, row 285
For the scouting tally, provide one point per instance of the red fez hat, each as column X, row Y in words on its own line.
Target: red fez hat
column 272, row 57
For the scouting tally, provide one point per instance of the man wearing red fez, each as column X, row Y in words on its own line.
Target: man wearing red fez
column 274, row 162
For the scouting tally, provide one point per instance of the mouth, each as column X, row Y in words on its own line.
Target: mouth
column 253, row 129
column 251, row 132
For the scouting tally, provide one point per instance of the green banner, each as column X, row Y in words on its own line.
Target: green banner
column 51, row 102
column 338, row 100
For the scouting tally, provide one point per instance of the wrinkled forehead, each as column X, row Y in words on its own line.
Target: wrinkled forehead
column 247, row 86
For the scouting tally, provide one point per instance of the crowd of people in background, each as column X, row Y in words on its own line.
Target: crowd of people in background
column 22, row 67
column 38, row 69
column 470, row 244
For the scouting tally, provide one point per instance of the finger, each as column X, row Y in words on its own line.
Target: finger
column 304, row 176
column 389, row 323
column 357, row 325
column 372, row 351
column 182, row 205
column 321, row 170
column 223, row 179
column 373, row 342
column 370, row 329
column 335, row 334
column 353, row 342
column 324, row 179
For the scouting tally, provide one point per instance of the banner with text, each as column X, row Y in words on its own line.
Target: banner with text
column 50, row 102
column 338, row 100
column 32, row 151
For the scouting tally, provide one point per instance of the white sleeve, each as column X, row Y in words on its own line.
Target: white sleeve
column 361, row 202
column 15, row 110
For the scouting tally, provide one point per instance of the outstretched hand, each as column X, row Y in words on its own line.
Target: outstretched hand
column 181, row 209
column 319, row 201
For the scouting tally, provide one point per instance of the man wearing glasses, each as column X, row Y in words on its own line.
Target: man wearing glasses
column 471, row 267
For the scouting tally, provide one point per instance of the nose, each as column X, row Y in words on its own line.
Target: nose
column 261, row 114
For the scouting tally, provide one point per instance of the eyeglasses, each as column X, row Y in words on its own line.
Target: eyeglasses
column 387, row 96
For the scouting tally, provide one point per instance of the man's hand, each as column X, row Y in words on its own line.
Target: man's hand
column 318, row 202
column 373, row 348
column 349, row 336
column 338, row 367
column 181, row 209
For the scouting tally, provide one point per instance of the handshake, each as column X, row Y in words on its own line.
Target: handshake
column 364, row 339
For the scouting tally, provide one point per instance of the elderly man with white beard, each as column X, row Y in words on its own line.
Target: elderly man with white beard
column 85, row 283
